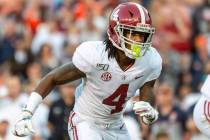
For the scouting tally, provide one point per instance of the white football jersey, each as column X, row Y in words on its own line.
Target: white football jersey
column 205, row 89
column 103, row 93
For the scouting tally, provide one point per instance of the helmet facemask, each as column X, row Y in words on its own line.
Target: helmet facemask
column 137, row 49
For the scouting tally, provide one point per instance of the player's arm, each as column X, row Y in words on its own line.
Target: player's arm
column 146, row 92
column 145, row 105
column 58, row 76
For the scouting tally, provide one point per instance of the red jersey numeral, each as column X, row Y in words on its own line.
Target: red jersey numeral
column 121, row 94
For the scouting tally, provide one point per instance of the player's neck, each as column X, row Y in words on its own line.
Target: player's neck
column 123, row 61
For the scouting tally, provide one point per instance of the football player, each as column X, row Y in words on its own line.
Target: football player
column 112, row 71
column 201, row 114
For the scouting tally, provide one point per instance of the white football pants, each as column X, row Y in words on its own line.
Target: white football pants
column 80, row 129
column 201, row 115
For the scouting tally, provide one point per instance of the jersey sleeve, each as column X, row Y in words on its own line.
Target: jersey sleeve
column 155, row 66
column 82, row 58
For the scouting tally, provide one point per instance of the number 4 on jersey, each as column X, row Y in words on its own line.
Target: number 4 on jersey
column 120, row 94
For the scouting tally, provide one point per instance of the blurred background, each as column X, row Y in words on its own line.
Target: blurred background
column 38, row 35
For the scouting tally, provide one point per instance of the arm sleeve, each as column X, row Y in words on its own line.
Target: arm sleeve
column 82, row 58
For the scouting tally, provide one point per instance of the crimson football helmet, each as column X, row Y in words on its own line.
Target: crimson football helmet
column 130, row 17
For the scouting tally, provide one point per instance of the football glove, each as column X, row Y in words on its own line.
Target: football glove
column 23, row 126
column 148, row 114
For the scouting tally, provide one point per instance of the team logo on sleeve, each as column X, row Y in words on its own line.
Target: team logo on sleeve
column 106, row 76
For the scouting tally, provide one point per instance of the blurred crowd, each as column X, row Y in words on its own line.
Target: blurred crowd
column 38, row 35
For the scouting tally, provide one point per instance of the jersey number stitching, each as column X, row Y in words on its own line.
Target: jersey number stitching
column 121, row 94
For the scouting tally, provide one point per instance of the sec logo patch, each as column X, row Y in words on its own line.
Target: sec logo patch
column 106, row 76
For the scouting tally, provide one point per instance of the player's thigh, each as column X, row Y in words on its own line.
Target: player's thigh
column 82, row 130
column 123, row 136
column 119, row 134
column 201, row 115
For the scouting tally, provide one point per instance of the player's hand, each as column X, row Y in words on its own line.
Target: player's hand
column 23, row 126
column 148, row 114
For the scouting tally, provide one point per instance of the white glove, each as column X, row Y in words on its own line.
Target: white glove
column 23, row 126
column 146, row 111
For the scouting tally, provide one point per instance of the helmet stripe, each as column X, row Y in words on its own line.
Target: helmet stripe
column 141, row 10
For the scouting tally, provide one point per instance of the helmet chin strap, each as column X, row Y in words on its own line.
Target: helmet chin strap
column 135, row 51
